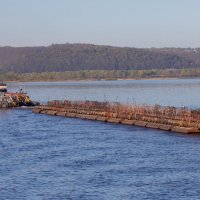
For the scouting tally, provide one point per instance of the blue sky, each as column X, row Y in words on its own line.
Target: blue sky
column 134, row 23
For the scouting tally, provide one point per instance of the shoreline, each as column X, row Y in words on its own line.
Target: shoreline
column 101, row 75
column 93, row 80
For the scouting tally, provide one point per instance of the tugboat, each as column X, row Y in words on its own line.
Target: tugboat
column 11, row 99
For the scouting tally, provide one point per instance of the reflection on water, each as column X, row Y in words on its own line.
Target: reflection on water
column 177, row 92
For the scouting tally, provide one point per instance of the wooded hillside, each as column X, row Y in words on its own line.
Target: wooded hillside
column 76, row 57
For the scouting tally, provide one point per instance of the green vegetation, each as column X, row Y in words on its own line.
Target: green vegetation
column 99, row 75
column 94, row 62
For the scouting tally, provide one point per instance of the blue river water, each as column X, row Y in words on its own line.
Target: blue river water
column 46, row 157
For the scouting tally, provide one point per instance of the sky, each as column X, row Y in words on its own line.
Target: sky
column 131, row 23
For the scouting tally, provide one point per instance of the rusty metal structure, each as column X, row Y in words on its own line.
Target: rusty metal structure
column 167, row 118
column 139, row 112
column 10, row 99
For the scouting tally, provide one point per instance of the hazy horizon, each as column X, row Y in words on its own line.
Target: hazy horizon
column 79, row 43
column 127, row 23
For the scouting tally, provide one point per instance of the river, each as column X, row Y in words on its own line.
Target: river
column 46, row 157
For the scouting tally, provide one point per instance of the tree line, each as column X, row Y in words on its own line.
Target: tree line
column 99, row 75
column 81, row 57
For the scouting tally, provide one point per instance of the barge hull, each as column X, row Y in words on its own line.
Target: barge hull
column 169, row 124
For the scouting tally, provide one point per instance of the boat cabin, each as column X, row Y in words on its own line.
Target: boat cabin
column 3, row 87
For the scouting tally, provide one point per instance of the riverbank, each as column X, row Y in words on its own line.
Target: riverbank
column 91, row 80
column 94, row 75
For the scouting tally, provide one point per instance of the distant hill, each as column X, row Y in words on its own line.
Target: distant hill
column 76, row 57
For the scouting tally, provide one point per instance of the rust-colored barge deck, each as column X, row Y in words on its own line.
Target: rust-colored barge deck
column 182, row 120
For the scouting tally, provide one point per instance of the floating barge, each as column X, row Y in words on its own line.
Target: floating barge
column 182, row 120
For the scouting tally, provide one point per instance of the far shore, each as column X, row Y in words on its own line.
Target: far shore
column 87, row 80
column 100, row 75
